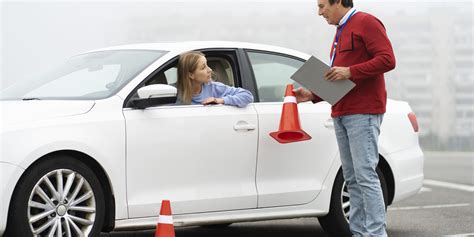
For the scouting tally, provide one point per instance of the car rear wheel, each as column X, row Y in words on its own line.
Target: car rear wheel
column 58, row 197
column 336, row 222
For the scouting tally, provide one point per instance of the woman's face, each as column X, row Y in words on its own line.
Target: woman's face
column 202, row 74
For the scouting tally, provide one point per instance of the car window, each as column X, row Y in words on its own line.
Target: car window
column 168, row 76
column 221, row 64
column 221, row 70
column 171, row 76
column 272, row 73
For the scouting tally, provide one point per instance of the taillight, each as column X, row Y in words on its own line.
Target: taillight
column 413, row 121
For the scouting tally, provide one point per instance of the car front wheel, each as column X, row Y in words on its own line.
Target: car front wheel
column 336, row 222
column 60, row 196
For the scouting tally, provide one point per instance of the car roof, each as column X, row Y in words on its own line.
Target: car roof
column 180, row 47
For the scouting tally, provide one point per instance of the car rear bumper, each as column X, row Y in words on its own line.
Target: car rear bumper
column 407, row 166
column 9, row 175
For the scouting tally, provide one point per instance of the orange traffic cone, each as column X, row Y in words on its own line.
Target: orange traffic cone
column 165, row 227
column 290, row 130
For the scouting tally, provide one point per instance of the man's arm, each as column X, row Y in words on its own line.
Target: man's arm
column 378, row 45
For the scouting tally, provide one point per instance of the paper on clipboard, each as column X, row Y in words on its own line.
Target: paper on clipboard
column 311, row 76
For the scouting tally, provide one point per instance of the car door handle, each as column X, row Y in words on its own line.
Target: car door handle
column 244, row 126
column 329, row 123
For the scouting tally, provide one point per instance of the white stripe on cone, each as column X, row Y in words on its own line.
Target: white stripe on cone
column 165, row 219
column 289, row 99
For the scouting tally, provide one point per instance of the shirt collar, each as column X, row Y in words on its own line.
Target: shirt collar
column 346, row 17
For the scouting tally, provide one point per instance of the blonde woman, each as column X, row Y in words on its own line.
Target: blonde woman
column 195, row 85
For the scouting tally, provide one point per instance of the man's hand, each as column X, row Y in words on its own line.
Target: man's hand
column 303, row 95
column 212, row 100
column 338, row 73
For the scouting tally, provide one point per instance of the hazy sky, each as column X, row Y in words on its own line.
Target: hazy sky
column 35, row 35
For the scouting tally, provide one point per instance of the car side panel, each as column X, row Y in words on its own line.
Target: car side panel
column 99, row 134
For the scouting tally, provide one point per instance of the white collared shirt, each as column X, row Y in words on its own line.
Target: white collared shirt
column 345, row 17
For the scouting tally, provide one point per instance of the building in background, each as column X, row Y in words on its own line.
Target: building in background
column 435, row 72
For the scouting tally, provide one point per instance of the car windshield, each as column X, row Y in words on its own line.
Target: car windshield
column 90, row 76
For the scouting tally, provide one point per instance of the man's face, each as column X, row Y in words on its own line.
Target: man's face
column 329, row 12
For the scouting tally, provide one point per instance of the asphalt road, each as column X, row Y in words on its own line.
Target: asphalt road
column 444, row 207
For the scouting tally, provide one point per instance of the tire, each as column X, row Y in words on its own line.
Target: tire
column 41, row 204
column 336, row 222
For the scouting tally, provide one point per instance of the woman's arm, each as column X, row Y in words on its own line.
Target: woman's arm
column 232, row 95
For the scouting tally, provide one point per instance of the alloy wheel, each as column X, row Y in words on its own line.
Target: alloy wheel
column 345, row 203
column 62, row 203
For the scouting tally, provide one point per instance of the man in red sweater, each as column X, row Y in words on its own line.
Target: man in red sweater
column 361, row 52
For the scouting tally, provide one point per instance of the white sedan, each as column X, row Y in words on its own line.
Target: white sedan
column 97, row 144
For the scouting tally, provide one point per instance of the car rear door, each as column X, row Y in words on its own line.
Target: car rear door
column 288, row 174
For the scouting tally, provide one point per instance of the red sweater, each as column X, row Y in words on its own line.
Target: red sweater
column 365, row 48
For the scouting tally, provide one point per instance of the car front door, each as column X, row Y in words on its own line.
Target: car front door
column 293, row 173
column 202, row 158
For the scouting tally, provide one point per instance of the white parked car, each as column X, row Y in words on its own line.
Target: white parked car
column 97, row 144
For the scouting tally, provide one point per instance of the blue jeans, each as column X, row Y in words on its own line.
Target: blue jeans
column 357, row 138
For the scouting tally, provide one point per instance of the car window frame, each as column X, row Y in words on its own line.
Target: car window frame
column 228, row 53
column 251, row 72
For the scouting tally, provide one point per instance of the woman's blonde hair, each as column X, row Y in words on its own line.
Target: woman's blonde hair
column 187, row 64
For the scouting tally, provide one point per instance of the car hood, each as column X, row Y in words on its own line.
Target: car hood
column 17, row 112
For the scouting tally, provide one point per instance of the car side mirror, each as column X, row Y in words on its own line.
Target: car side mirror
column 153, row 95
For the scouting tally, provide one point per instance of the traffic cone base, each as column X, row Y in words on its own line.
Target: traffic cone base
column 290, row 136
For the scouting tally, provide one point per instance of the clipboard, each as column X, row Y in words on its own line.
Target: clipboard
column 311, row 76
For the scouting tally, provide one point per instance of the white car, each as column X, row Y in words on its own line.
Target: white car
column 97, row 144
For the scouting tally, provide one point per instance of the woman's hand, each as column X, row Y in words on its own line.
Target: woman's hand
column 212, row 100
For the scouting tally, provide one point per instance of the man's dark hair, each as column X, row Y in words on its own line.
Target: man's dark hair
column 345, row 3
